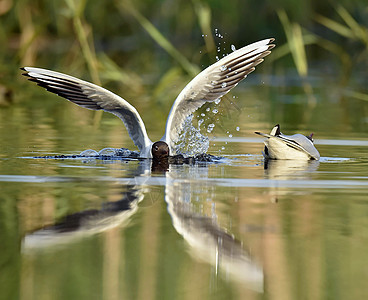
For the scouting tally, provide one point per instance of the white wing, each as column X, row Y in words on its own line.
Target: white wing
column 212, row 83
column 93, row 97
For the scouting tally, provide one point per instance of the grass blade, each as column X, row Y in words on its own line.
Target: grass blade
column 294, row 37
column 334, row 26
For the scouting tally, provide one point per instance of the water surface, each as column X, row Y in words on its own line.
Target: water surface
column 238, row 229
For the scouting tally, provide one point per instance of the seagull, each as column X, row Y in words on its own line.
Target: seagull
column 281, row 146
column 209, row 85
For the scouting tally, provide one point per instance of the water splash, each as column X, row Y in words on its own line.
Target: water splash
column 210, row 127
column 191, row 141
column 109, row 152
column 89, row 152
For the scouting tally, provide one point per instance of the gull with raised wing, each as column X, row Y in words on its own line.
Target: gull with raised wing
column 281, row 146
column 208, row 86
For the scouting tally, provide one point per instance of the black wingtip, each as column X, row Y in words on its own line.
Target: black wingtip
column 24, row 74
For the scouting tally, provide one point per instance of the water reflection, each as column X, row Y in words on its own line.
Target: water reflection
column 289, row 169
column 87, row 222
column 206, row 239
column 276, row 170
column 92, row 221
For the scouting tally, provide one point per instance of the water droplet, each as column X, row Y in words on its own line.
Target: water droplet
column 233, row 48
column 223, row 68
column 230, row 135
column 217, row 101
column 200, row 122
column 217, row 58
column 223, row 85
column 210, row 127
column 215, row 111
column 203, row 114
column 222, row 148
column 208, row 109
column 237, row 128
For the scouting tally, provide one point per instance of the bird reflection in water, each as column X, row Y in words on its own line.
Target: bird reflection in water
column 287, row 170
column 207, row 240
column 89, row 222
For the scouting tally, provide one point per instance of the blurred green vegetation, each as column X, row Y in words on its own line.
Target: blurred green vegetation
column 142, row 44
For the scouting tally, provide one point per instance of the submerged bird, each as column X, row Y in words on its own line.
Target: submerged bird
column 296, row 146
column 208, row 86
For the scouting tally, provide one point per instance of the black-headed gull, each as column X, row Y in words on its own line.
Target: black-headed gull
column 208, row 86
column 296, row 146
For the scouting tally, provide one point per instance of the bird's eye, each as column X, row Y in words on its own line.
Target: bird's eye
column 156, row 148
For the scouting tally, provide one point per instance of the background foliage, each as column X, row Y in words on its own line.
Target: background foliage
column 112, row 40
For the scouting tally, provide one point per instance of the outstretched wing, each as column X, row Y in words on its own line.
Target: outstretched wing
column 214, row 82
column 93, row 97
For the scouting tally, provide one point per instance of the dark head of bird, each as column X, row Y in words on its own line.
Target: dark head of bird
column 160, row 150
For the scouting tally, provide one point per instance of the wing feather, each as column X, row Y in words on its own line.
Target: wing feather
column 91, row 96
column 214, row 82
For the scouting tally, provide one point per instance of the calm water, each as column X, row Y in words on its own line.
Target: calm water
column 231, row 230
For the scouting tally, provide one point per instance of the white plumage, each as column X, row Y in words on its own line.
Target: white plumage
column 296, row 146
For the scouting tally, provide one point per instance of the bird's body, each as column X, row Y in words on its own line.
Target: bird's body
column 296, row 146
column 208, row 86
